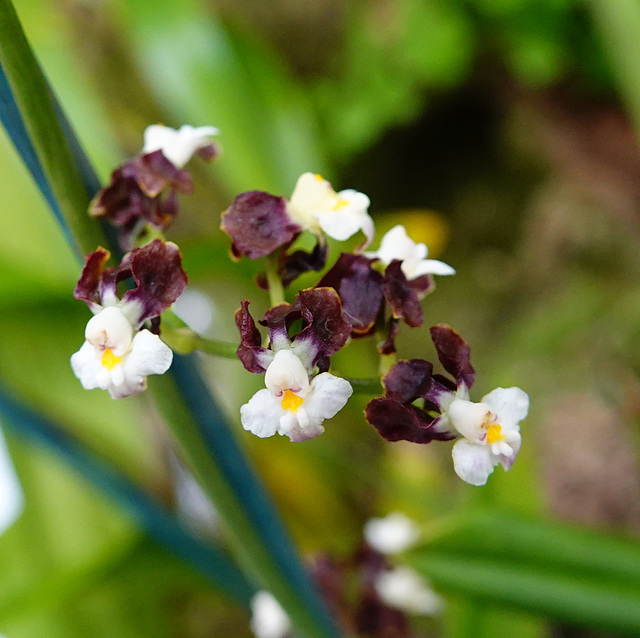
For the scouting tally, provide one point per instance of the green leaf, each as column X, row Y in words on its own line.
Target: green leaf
column 38, row 108
column 563, row 573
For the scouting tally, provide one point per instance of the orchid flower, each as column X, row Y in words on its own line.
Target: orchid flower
column 180, row 145
column 392, row 534
column 295, row 401
column 396, row 244
column 402, row 588
column 490, row 430
column 118, row 352
column 316, row 207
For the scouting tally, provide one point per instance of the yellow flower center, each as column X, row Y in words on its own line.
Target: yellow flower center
column 291, row 401
column 109, row 360
column 494, row 434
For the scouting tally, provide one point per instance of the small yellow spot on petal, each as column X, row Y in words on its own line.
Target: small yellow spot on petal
column 341, row 203
column 319, row 177
column 109, row 360
column 291, row 401
column 494, row 434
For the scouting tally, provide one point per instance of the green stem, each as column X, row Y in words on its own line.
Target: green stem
column 365, row 386
column 276, row 289
column 185, row 341
column 37, row 105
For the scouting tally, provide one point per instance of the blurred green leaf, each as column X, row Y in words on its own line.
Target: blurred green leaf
column 560, row 572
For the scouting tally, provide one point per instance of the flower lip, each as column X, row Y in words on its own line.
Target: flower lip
column 286, row 373
column 110, row 330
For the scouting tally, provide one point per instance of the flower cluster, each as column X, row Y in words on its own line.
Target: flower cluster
column 362, row 294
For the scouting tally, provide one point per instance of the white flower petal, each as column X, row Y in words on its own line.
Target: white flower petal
column 327, row 396
column 178, row 146
column 392, row 534
column 431, row 267
column 261, row 415
column 11, row 498
column 86, row 366
column 312, row 194
column 149, row 355
column 268, row 619
column 511, row 405
column 472, row 462
column 396, row 244
column 339, row 225
column 297, row 433
column 403, row 589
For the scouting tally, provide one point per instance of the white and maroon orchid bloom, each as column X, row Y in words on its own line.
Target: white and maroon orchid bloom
column 316, row 207
column 180, row 145
column 119, row 352
column 268, row 619
column 260, row 223
column 490, row 431
column 396, row 244
column 295, row 401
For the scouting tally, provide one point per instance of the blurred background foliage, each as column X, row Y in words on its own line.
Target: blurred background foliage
column 499, row 131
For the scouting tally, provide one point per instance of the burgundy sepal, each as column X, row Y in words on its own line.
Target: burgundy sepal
column 453, row 353
column 258, row 224
column 157, row 271
column 360, row 289
column 402, row 297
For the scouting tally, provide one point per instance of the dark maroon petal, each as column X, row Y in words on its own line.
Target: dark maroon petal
column 154, row 172
column 388, row 346
column 207, row 153
column 258, row 224
column 88, row 286
column 326, row 330
column 249, row 351
column 454, row 355
column 408, row 380
column 360, row 289
column 300, row 261
column 157, row 270
column 398, row 422
column 422, row 285
column 403, row 299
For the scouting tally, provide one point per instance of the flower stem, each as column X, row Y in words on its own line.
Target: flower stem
column 276, row 289
column 365, row 386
